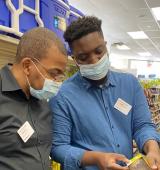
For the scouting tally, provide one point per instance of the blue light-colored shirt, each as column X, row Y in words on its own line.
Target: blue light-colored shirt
column 84, row 118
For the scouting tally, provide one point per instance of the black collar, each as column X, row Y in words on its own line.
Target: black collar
column 9, row 82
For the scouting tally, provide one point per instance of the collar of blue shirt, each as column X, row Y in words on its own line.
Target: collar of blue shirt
column 110, row 81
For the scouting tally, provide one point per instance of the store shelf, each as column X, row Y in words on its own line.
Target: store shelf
column 155, row 103
column 156, row 117
column 157, row 122
column 153, row 99
column 158, row 129
column 153, row 111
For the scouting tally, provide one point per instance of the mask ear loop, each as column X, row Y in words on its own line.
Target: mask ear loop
column 38, row 69
column 28, row 81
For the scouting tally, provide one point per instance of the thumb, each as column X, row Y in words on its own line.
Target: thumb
column 122, row 158
column 152, row 163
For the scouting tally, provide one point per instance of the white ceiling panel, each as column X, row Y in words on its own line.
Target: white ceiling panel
column 153, row 3
column 148, row 26
column 156, row 41
column 122, row 16
column 143, row 15
column 146, row 44
column 133, row 4
column 153, row 34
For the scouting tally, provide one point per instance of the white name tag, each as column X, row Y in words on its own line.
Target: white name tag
column 122, row 106
column 25, row 131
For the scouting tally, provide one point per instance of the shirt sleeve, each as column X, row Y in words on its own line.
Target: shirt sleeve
column 143, row 128
column 62, row 150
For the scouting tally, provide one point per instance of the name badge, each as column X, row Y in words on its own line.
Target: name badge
column 25, row 131
column 122, row 106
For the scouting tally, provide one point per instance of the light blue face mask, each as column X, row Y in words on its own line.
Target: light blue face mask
column 96, row 71
column 50, row 88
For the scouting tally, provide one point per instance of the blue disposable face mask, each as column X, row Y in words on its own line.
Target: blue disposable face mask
column 50, row 88
column 96, row 71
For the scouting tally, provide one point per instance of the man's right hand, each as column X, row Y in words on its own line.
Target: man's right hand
column 104, row 161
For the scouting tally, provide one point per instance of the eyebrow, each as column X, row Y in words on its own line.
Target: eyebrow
column 55, row 69
column 91, row 50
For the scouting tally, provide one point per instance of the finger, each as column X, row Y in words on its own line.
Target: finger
column 152, row 163
column 115, row 166
column 158, row 164
column 122, row 158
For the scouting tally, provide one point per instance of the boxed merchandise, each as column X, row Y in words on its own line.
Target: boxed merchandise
column 139, row 162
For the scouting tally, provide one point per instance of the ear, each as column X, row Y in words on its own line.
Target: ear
column 73, row 57
column 26, row 65
column 77, row 65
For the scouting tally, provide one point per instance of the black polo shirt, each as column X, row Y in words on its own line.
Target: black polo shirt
column 15, row 110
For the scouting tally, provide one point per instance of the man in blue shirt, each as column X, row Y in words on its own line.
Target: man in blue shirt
column 98, row 112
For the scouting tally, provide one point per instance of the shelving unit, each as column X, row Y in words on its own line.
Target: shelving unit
column 153, row 98
column 152, row 93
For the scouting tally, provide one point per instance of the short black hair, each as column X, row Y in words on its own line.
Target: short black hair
column 82, row 27
column 35, row 43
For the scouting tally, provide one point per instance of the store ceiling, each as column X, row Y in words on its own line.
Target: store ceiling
column 122, row 16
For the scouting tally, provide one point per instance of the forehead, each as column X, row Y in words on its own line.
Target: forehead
column 87, row 43
column 54, row 58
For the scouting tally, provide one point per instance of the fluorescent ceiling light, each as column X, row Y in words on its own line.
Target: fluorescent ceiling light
column 123, row 47
column 138, row 35
column 145, row 54
column 156, row 13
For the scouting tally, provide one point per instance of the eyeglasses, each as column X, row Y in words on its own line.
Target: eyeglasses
column 55, row 74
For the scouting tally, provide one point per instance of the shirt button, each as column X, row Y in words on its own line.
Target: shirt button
column 118, row 145
column 112, row 127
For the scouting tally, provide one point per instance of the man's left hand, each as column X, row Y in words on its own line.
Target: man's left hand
column 153, row 159
column 152, row 151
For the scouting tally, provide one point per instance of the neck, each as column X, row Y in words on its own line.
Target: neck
column 98, row 82
column 20, row 78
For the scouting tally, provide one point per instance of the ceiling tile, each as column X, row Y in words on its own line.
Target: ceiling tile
column 122, row 16
column 146, row 44
column 153, row 34
column 156, row 41
column 153, row 3
column 133, row 4
column 143, row 15
column 148, row 26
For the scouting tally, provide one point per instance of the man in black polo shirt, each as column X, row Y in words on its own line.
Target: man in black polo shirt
column 25, row 87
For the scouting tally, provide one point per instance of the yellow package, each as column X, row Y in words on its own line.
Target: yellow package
column 139, row 162
column 55, row 166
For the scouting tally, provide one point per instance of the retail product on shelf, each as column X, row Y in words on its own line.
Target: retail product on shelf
column 152, row 92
